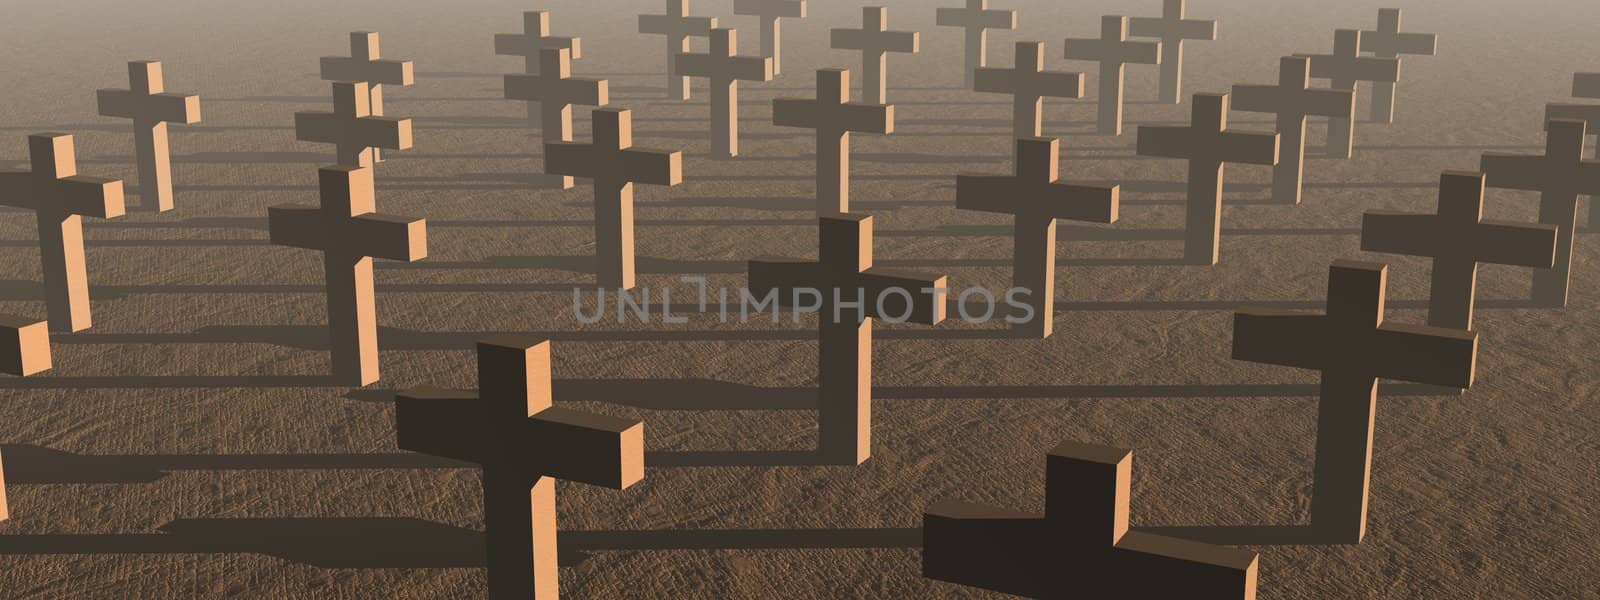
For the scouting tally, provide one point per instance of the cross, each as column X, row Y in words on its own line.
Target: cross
column 1352, row 347
column 1293, row 100
column 725, row 70
column 1388, row 42
column 834, row 117
column 24, row 351
column 1345, row 67
column 524, row 443
column 615, row 165
column 1208, row 145
column 364, row 64
column 1172, row 29
column 555, row 91
column 770, row 12
column 1028, row 83
column 349, row 235
column 1035, row 200
column 875, row 42
column 1457, row 239
column 851, row 293
column 59, row 199
column 1113, row 51
column 151, row 109
column 535, row 37
column 677, row 26
column 976, row 19
column 1584, row 85
column 1560, row 176
column 1081, row 547
column 351, row 127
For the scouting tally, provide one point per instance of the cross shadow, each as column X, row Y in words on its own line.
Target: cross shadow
column 734, row 458
column 33, row 290
column 171, row 382
column 1251, row 535
column 315, row 337
column 26, row 464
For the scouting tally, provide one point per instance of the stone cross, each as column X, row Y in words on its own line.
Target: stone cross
column 1293, row 100
column 351, row 127
column 535, row 37
column 1584, row 85
column 1028, row 83
column 364, row 64
column 1352, row 347
column 151, row 108
column 1208, row 145
column 834, row 117
column 1081, row 547
column 850, row 293
column 770, row 11
column 1036, row 200
column 615, row 165
column 875, row 42
column 1172, row 29
column 555, row 91
column 1113, row 51
column 1345, row 67
column 59, row 199
column 976, row 19
column 1457, row 239
column 523, row 443
column 1560, row 176
column 1388, row 42
column 725, row 71
column 24, row 351
column 349, row 235
column 677, row 26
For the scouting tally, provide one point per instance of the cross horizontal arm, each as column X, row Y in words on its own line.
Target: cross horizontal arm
column 77, row 195
column 1386, row 43
column 391, row 237
column 1111, row 51
column 1280, row 337
column 1167, row 141
column 1329, row 66
column 924, row 308
column 671, row 25
column 1586, row 85
column 1188, row 564
column 878, row 41
column 172, row 108
column 443, row 423
column 770, row 8
column 1588, row 113
column 739, row 68
column 516, row 44
column 573, row 445
column 385, row 72
column 986, row 19
column 1185, row 29
column 1248, row 147
column 784, row 275
column 393, row 133
column 1420, row 354
column 297, row 226
column 1503, row 243
column 570, row 90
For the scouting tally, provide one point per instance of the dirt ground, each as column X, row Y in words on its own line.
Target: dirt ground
column 189, row 445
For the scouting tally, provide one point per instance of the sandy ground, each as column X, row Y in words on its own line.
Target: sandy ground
column 188, row 445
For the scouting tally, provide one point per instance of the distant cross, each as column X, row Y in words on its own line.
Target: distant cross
column 1457, row 239
column 875, row 42
column 59, row 199
column 976, row 19
column 524, row 443
column 1035, row 200
column 1584, row 85
column 1560, row 176
column 771, row 11
column 1388, row 42
column 1352, row 347
column 1028, row 83
column 1293, row 100
column 1208, row 145
column 678, row 27
column 151, row 110
column 555, row 91
column 1345, row 67
column 615, row 165
column 834, row 117
column 351, row 127
column 854, row 292
column 1081, row 547
column 1172, row 29
column 535, row 37
column 725, row 70
column 349, row 235
column 364, row 64
column 24, row 351
column 1113, row 51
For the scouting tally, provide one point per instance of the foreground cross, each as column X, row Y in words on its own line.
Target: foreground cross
column 24, row 351
column 976, row 19
column 849, row 293
column 1388, row 42
column 1112, row 51
column 349, row 235
column 1457, row 239
column 1560, row 176
column 59, row 199
column 1293, row 100
column 725, row 70
column 834, row 117
column 1172, row 29
column 1208, row 145
column 1345, row 67
column 771, row 11
column 677, row 26
column 524, row 444
column 875, row 42
column 351, row 127
column 1028, row 83
column 1081, row 547
column 1352, row 347
column 555, row 91
column 614, row 165
column 534, row 38
column 365, row 64
column 151, row 109
column 1035, row 200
